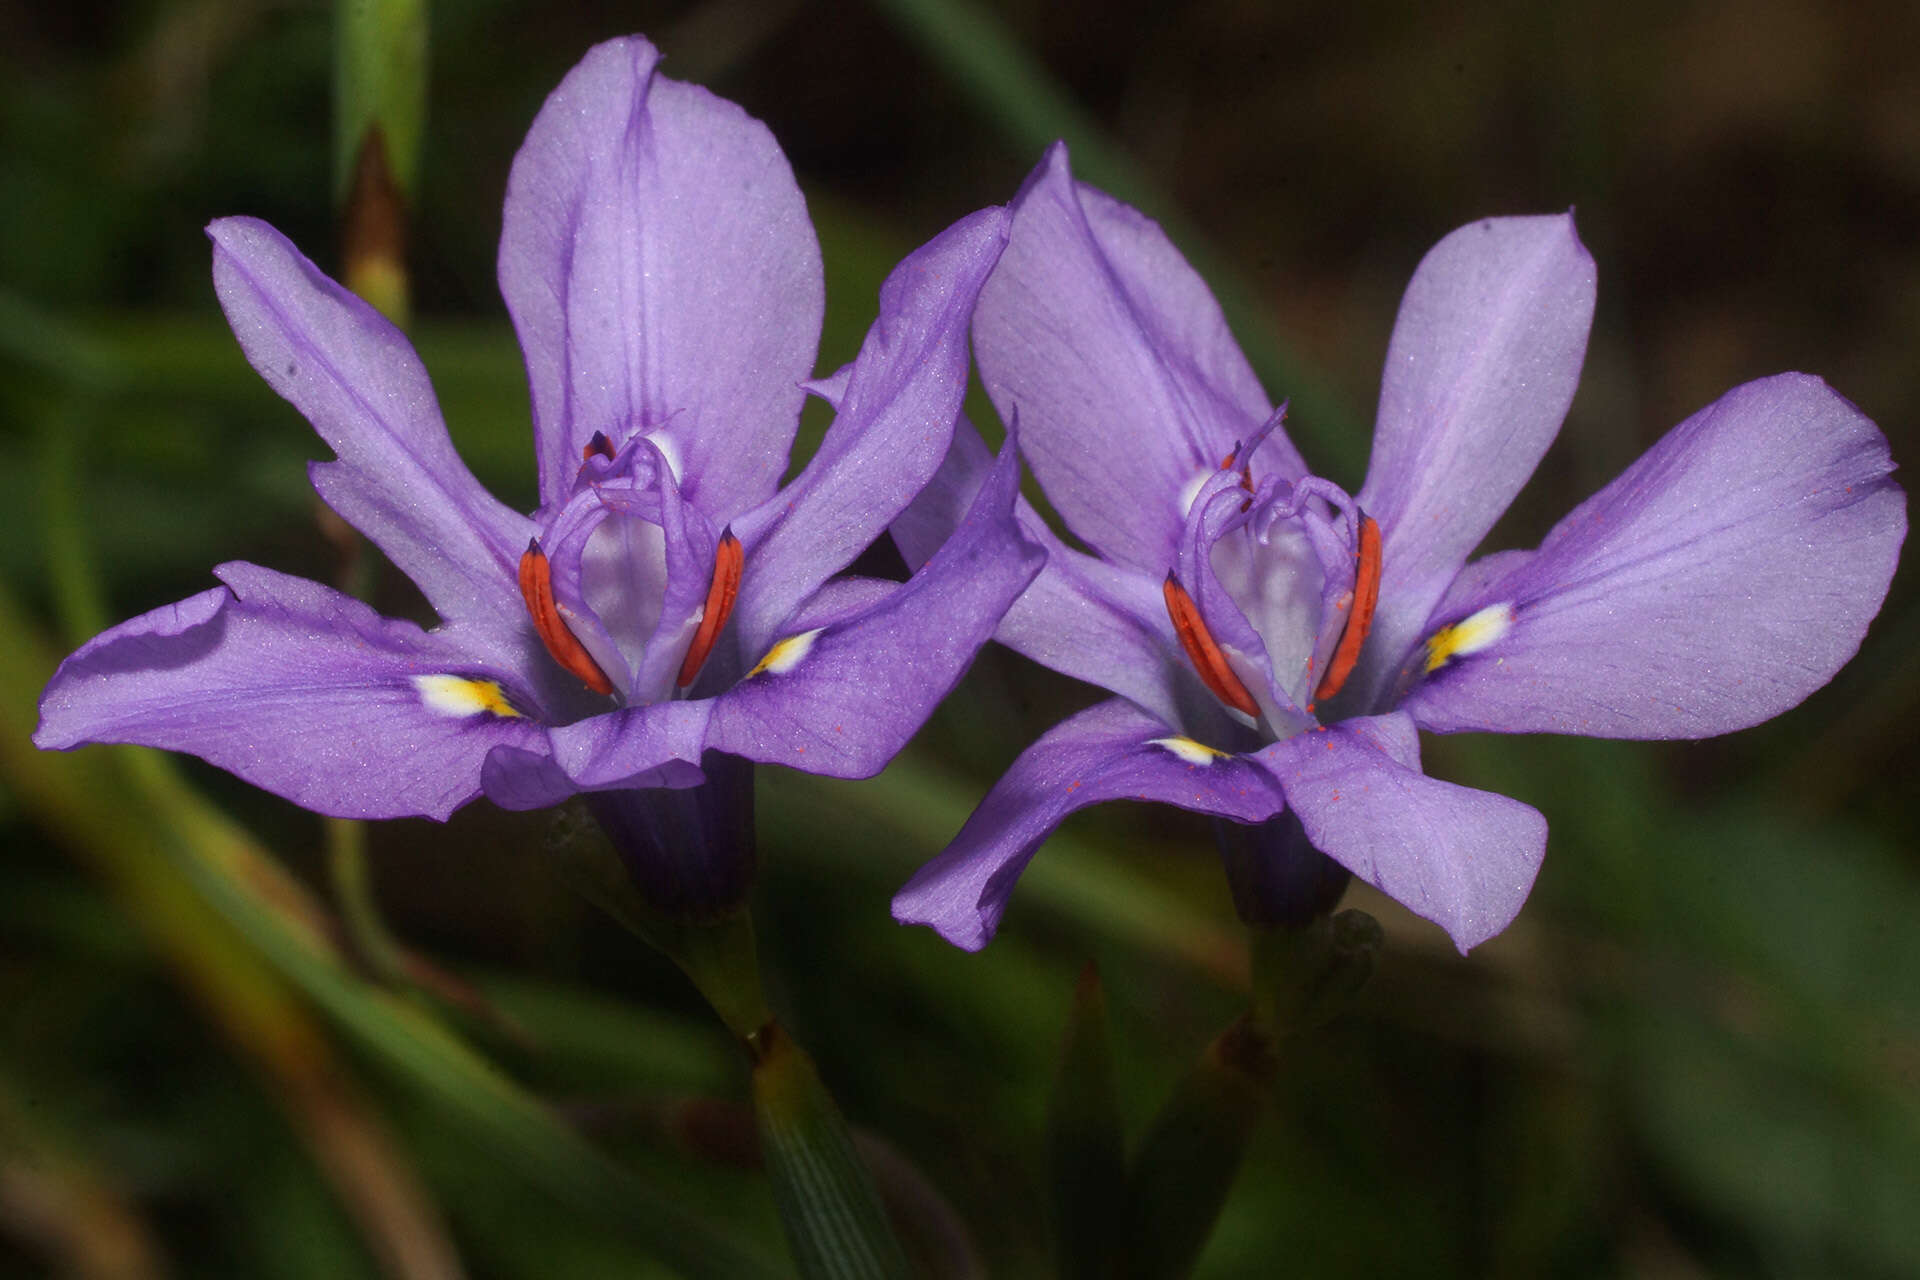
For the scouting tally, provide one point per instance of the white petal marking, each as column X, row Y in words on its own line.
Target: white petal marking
column 1469, row 635
column 462, row 696
column 1189, row 750
column 787, row 654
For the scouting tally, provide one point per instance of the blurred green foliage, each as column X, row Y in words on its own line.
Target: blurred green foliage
column 1697, row 1053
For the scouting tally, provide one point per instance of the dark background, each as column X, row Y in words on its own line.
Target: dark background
column 1696, row 1054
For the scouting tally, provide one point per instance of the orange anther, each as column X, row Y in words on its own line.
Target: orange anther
column 536, row 588
column 1202, row 651
column 1366, row 594
column 728, row 559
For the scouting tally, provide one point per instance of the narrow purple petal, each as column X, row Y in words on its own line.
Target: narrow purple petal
column 1114, row 354
column 843, row 699
column 1102, row 623
column 663, row 277
column 1483, row 364
column 1112, row 751
column 398, row 479
column 1726, row 575
column 297, row 689
column 896, row 416
column 1461, row 858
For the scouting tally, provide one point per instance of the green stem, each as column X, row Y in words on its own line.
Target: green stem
column 833, row 1216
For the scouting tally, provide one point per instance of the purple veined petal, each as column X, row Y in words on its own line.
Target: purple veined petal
column 1128, row 385
column 297, row 689
column 398, row 479
column 1483, row 364
column 1102, row 623
column 1111, row 751
column 1461, row 858
column 663, row 277
column 1723, row 577
column 842, row 700
column 637, row 747
column 841, row 600
column 896, row 413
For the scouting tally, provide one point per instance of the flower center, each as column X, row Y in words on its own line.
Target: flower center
column 1273, row 592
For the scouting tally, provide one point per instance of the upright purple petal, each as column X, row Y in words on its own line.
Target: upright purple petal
column 297, row 689
column 1483, row 364
column 1461, row 858
column 843, row 698
column 663, row 277
column 398, row 479
column 1112, row 751
column 896, row 415
column 1114, row 354
column 1723, row 577
column 1083, row 617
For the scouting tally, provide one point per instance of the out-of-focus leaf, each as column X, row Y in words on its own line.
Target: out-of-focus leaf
column 1086, row 1146
column 167, row 830
column 1776, row 1080
column 1188, row 1159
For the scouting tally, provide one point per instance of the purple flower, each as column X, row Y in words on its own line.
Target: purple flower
column 668, row 600
column 1276, row 643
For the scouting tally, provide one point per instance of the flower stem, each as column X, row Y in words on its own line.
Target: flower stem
column 833, row 1216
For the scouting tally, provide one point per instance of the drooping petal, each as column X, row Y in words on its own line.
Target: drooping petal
column 297, row 689
column 1483, row 364
column 1461, row 858
column 1112, row 751
column 653, row 746
column 1083, row 617
column 896, row 416
column 1723, row 577
column 1128, row 385
column 357, row 380
column 843, row 699
column 663, row 277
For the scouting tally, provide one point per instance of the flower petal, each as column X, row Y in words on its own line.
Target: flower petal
column 1115, row 355
column 398, row 479
column 1083, row 617
column 1461, row 858
column 1111, row 751
column 663, row 277
column 297, row 689
column 655, row 746
column 1483, row 364
column 895, row 416
column 842, row 699
column 1723, row 577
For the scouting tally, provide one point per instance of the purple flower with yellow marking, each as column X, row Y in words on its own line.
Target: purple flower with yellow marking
column 668, row 603
column 1276, row 644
